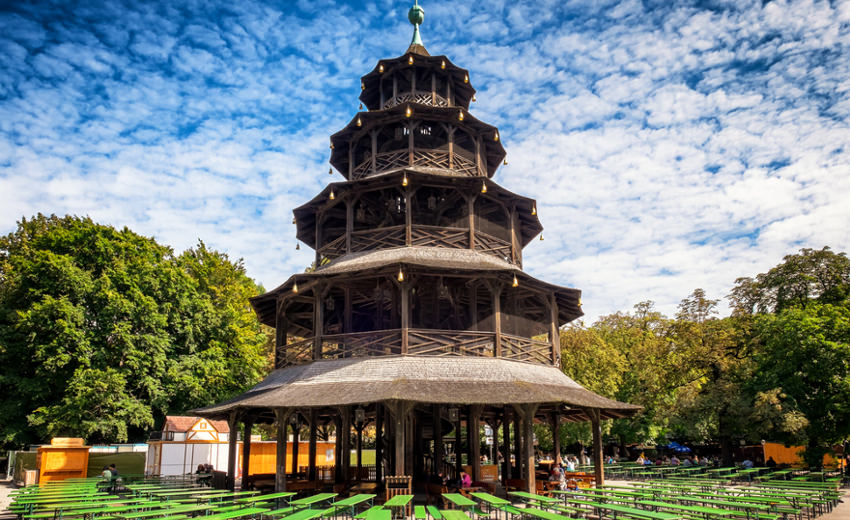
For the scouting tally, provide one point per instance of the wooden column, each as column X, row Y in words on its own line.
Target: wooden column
column 478, row 167
column 338, row 449
column 526, row 414
column 506, row 446
column 351, row 159
column 515, row 242
column 359, row 446
column 433, row 89
column 381, row 93
column 410, row 144
column 247, row 425
column 472, row 428
column 404, row 288
column 349, row 222
column 496, row 291
column 596, row 426
column 231, row 451
column 346, row 319
column 400, row 411
column 451, row 132
column 457, row 445
column 517, row 472
column 395, row 86
column 281, row 416
column 470, row 209
column 438, row 438
column 280, row 327
column 379, row 442
column 554, row 334
column 374, row 134
column 408, row 218
column 318, row 322
column 346, row 444
column 556, row 439
column 296, row 439
column 311, row 450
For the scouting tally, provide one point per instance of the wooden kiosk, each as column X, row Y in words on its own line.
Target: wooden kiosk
column 65, row 457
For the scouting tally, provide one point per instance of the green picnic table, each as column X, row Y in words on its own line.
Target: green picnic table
column 398, row 501
column 353, row 501
column 458, row 500
column 286, row 512
column 265, row 498
column 493, row 502
column 454, row 514
column 164, row 511
column 705, row 511
column 310, row 501
column 635, row 512
column 379, row 514
column 531, row 497
column 239, row 513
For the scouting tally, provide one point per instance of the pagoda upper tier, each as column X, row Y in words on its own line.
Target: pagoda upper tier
column 418, row 117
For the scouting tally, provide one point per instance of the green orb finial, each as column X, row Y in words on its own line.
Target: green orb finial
column 416, row 15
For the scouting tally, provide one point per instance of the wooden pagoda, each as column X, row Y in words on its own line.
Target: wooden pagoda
column 418, row 317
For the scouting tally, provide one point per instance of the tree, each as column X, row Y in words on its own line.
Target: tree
column 104, row 331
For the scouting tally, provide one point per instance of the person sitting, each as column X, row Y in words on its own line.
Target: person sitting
column 770, row 462
column 572, row 485
column 687, row 462
column 747, row 463
column 465, row 480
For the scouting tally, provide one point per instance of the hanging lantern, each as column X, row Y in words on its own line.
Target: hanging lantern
column 295, row 287
column 579, row 302
column 332, row 196
column 410, row 60
column 404, row 180
column 294, row 221
column 460, row 116
column 515, row 283
column 400, row 275
column 443, row 64
column 496, row 136
column 330, row 171
column 362, row 86
column 534, row 210
column 483, row 187
column 381, row 68
column 473, row 99
column 466, row 78
column 505, row 162
column 408, row 112
column 293, row 419
column 359, row 415
column 332, row 146
column 453, row 414
column 432, row 202
column 297, row 246
column 541, row 237
column 359, row 122
column 360, row 106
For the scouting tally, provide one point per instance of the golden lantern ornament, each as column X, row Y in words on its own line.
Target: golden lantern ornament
column 496, row 137
column 533, row 210
column 516, row 282
column 466, row 78
column 360, row 106
column 362, row 86
column 505, row 162
column 410, row 60
column 332, row 196
column 400, row 275
column 294, row 221
column 381, row 68
column 483, row 187
column 541, row 237
column 295, row 287
column 404, row 180
column 332, row 146
column 460, row 116
column 443, row 64
column 408, row 112
column 297, row 246
column 473, row 99
column 359, row 122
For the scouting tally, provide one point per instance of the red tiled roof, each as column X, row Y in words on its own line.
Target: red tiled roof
column 183, row 423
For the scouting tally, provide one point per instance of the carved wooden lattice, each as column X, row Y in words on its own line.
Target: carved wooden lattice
column 436, row 236
column 361, row 344
column 492, row 245
column 426, row 342
column 525, row 349
column 295, row 353
column 423, row 158
column 392, row 236
column 420, row 96
column 334, row 248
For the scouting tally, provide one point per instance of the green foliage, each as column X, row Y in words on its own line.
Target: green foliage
column 102, row 331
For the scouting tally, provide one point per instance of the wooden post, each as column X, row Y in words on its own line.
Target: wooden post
column 556, row 439
column 470, row 209
column 248, row 425
column 318, row 322
column 400, row 411
column 408, row 218
column 472, row 428
column 451, row 132
column 311, row 450
column 457, row 445
column 374, row 134
column 231, row 451
column 405, row 314
column 379, row 442
column 359, row 446
column 438, row 439
column 346, row 444
column 506, row 446
column 296, row 440
column 554, row 334
column 410, row 145
column 346, row 319
column 517, row 445
column 496, row 290
column 349, row 222
column 281, row 416
column 515, row 242
column 280, row 334
column 596, row 425
column 338, row 449
column 526, row 413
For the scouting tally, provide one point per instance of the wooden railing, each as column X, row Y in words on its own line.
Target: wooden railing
column 422, row 158
column 420, row 235
column 421, row 342
column 526, row 349
column 423, row 97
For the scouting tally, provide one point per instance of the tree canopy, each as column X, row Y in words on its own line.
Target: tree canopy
column 103, row 331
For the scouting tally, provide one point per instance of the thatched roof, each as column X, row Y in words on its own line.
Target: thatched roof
column 422, row 379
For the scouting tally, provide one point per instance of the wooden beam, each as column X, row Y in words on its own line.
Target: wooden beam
column 438, row 438
column 496, row 291
column 296, row 439
column 379, row 442
column 346, row 444
column 311, row 450
column 472, row 428
column 506, row 445
column 349, row 223
column 554, row 334
column 248, row 425
column 405, row 315
column 556, row 439
column 527, row 411
column 281, row 419
column 231, row 451
column 596, row 427
column 470, row 209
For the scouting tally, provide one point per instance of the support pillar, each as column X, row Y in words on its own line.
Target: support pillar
column 438, row 439
column 346, row 444
column 231, row 452
column 359, row 447
column 517, row 471
column 400, row 410
column 556, row 439
column 296, row 440
column 379, row 443
column 311, row 450
column 526, row 413
column 458, row 461
column 506, row 446
column 281, row 416
column 248, row 425
column 472, row 428
column 596, row 426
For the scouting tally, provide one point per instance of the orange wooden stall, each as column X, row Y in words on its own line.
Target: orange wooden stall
column 63, row 458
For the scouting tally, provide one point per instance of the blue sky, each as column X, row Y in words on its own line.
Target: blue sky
column 671, row 145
